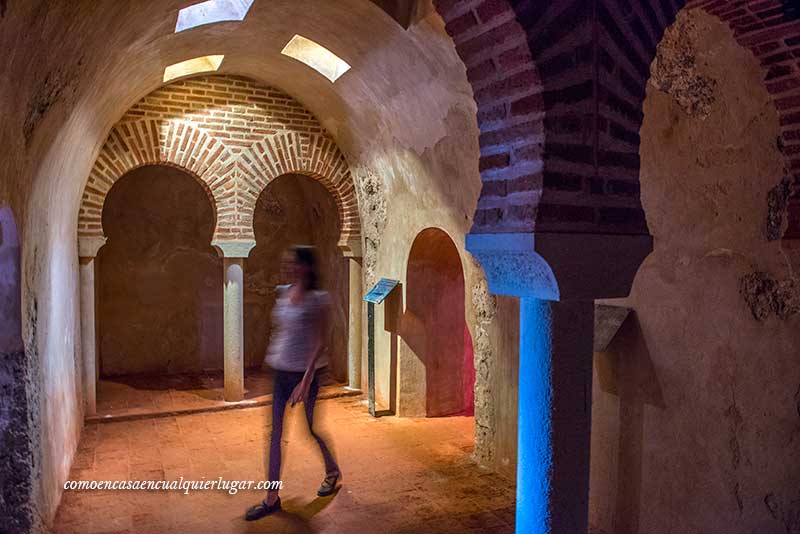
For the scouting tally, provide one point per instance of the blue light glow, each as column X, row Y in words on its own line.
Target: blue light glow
column 534, row 454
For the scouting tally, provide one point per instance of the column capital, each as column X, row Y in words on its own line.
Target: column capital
column 351, row 248
column 89, row 246
column 560, row 266
column 233, row 248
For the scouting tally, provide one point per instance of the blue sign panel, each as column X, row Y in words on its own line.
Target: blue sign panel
column 381, row 290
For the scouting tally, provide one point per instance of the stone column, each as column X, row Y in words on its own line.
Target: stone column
column 233, row 254
column 87, row 251
column 354, row 324
column 233, row 330
column 352, row 251
column 557, row 277
column 554, row 420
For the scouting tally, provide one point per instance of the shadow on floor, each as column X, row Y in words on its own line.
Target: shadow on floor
column 142, row 395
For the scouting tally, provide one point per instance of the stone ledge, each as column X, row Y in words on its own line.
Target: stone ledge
column 233, row 249
column 89, row 246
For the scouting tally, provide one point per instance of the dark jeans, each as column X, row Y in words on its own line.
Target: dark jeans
column 285, row 382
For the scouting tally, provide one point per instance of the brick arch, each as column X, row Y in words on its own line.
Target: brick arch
column 508, row 92
column 314, row 156
column 136, row 144
column 547, row 162
column 233, row 135
column 560, row 86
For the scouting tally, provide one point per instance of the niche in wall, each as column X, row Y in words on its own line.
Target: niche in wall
column 159, row 281
column 435, row 328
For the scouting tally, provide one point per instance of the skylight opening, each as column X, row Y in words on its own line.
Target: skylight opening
column 192, row 66
column 211, row 12
column 316, row 56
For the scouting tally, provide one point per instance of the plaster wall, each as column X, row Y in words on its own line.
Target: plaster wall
column 159, row 281
column 696, row 413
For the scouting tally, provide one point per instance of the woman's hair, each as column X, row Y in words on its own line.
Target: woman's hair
column 308, row 257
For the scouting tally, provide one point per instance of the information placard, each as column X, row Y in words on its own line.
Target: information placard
column 376, row 295
column 381, row 290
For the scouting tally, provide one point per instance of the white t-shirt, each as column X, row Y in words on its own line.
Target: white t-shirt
column 296, row 329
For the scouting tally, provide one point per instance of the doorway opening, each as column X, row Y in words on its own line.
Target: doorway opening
column 435, row 327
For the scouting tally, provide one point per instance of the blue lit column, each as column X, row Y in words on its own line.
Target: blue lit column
column 554, row 420
column 556, row 277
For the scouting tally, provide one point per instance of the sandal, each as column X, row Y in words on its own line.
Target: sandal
column 329, row 484
column 262, row 509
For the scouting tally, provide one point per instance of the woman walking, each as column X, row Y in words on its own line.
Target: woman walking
column 300, row 324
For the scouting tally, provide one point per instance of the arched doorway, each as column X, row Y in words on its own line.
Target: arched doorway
column 435, row 330
column 294, row 210
column 159, row 295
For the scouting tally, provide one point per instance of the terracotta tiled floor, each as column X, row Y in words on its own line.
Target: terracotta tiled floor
column 400, row 475
column 136, row 396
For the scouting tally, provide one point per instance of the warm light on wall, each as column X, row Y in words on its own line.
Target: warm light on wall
column 192, row 66
column 210, row 12
column 316, row 56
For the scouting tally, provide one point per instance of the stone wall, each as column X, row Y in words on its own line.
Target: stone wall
column 17, row 511
column 695, row 416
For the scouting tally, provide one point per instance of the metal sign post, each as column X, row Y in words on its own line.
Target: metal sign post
column 375, row 296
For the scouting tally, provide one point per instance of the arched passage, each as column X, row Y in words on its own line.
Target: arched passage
column 295, row 210
column 159, row 296
column 437, row 372
column 234, row 143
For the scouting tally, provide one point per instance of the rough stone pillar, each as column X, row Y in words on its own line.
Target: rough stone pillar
column 352, row 251
column 557, row 277
column 233, row 255
column 87, row 250
column 233, row 333
column 18, row 414
column 554, row 420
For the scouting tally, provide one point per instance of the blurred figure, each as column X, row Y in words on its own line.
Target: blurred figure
column 300, row 324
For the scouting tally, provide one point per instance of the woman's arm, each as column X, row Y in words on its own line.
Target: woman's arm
column 300, row 392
